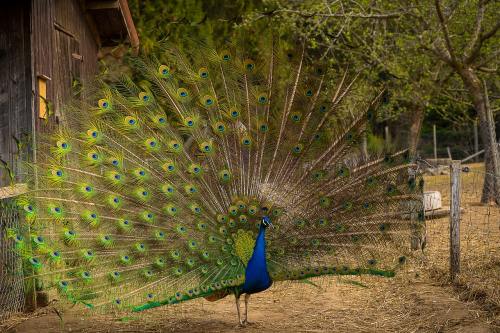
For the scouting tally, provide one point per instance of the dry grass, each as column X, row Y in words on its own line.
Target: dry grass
column 479, row 279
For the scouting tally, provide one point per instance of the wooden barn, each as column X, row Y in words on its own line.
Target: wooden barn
column 46, row 46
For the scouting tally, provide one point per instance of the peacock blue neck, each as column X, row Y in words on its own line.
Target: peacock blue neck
column 257, row 277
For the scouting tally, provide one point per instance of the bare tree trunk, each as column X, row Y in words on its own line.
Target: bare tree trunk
column 415, row 127
column 491, row 187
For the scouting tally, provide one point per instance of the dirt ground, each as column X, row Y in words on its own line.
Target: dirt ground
column 421, row 299
column 382, row 305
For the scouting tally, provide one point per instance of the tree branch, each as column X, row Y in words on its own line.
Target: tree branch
column 477, row 31
column 331, row 14
column 446, row 33
column 482, row 38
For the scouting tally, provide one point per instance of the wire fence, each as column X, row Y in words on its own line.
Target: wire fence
column 11, row 278
column 479, row 237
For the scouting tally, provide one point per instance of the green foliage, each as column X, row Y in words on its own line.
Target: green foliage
column 186, row 22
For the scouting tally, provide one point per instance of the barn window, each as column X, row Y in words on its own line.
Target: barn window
column 43, row 104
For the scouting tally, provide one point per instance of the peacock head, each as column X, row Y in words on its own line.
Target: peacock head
column 266, row 222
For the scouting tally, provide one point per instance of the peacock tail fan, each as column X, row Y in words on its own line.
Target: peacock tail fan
column 153, row 189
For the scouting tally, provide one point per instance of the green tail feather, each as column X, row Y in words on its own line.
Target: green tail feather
column 153, row 191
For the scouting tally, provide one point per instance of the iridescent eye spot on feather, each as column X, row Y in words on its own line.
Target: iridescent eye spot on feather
column 145, row 97
column 383, row 227
column 324, row 202
column 169, row 166
column 190, row 122
column 234, row 113
column 174, row 146
column 190, row 189
column 104, row 104
column 309, row 92
column 171, row 209
column 225, row 55
column 262, row 98
column 322, row 222
column 370, row 115
column 86, row 276
column 263, row 128
column 206, row 147
column 343, row 171
column 322, row 109
column 207, row 100
column 130, row 122
column 168, row 190
column 63, row 145
column 296, row 117
column 140, row 174
column 221, row 218
column 391, row 189
column 249, row 65
column 93, row 136
column 246, row 141
column 125, row 259
column 203, row 72
column 300, row 223
column 195, row 169
column 224, row 176
column 152, row 144
column 297, row 149
column 164, row 71
column 220, row 128
column 182, row 92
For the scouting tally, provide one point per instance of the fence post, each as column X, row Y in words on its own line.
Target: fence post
column 476, row 140
column 455, row 219
column 434, row 140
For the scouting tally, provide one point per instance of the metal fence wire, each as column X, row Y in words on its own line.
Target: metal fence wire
column 11, row 278
column 479, row 238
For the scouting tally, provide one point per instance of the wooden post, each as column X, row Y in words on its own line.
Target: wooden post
column 449, row 153
column 387, row 137
column 435, row 143
column 455, row 219
column 476, row 139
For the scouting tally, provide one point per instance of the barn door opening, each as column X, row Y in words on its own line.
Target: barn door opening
column 67, row 69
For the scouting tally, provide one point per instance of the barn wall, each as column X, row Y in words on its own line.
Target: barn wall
column 65, row 51
column 15, row 81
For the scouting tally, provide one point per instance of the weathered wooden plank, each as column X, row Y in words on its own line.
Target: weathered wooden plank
column 15, row 83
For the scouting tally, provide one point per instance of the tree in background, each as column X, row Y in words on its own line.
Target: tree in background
column 421, row 49
column 426, row 54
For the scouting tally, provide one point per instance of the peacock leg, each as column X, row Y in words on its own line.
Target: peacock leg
column 247, row 298
column 237, row 298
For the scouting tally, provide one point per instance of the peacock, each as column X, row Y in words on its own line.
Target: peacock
column 210, row 173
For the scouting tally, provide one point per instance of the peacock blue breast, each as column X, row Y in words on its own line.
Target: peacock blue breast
column 257, row 277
